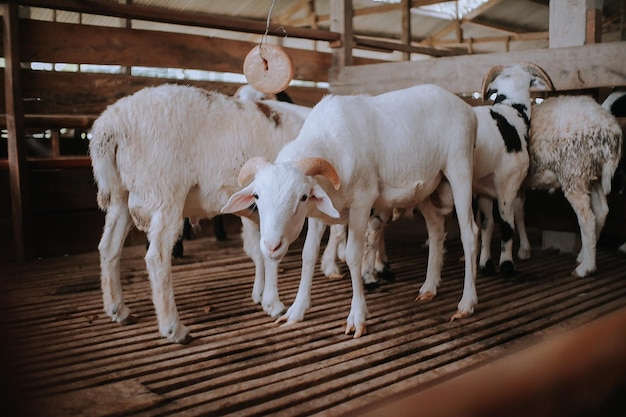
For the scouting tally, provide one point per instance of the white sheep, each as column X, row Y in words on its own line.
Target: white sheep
column 575, row 145
column 500, row 166
column 358, row 152
column 172, row 151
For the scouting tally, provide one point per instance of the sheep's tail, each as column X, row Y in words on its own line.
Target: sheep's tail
column 102, row 150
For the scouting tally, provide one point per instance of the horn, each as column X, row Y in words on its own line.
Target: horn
column 489, row 77
column 539, row 72
column 319, row 166
column 250, row 168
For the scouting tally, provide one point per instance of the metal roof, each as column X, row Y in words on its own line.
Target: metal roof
column 495, row 26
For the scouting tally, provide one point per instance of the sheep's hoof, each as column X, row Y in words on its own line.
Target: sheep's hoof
column 370, row 286
column 523, row 253
column 358, row 330
column 335, row 276
column 488, row 269
column 460, row 315
column 507, row 269
column 130, row 319
column 581, row 273
column 386, row 274
column 185, row 340
column 427, row 296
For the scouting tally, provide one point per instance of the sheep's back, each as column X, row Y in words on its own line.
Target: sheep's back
column 574, row 138
column 172, row 138
column 390, row 140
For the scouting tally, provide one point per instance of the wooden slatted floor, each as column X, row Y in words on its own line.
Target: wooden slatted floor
column 66, row 358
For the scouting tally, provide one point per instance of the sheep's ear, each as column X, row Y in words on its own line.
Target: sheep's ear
column 240, row 201
column 322, row 202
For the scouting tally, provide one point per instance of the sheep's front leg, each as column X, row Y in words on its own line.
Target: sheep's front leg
column 251, row 238
column 271, row 301
column 162, row 234
column 315, row 231
column 581, row 203
column 354, row 257
column 116, row 227
column 336, row 238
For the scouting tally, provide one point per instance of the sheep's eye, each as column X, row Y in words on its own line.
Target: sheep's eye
column 304, row 197
column 256, row 196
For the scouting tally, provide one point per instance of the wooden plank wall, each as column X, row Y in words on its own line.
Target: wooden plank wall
column 55, row 99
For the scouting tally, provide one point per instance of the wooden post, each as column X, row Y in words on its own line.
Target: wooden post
column 594, row 22
column 18, row 174
column 575, row 22
column 341, row 14
column 406, row 27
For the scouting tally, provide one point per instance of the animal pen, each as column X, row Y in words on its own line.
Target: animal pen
column 544, row 343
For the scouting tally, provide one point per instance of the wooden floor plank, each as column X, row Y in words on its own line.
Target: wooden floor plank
column 70, row 359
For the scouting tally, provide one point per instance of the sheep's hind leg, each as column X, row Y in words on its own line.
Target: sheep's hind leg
column 599, row 206
column 581, row 203
column 485, row 211
column 461, row 191
column 506, row 207
column 162, row 233
column 116, row 227
column 336, row 237
column 357, row 225
column 373, row 236
column 520, row 223
column 435, row 225
column 381, row 263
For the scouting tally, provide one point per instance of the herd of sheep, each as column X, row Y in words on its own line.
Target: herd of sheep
column 351, row 162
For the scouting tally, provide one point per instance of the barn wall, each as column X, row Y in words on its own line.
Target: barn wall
column 65, row 218
column 75, row 99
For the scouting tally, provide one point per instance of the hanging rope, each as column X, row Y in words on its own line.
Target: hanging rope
column 267, row 29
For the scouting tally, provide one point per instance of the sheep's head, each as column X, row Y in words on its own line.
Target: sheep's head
column 514, row 81
column 284, row 195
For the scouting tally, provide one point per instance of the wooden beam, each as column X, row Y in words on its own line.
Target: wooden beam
column 88, row 44
column 163, row 15
column 54, row 163
column 18, row 175
column 405, row 36
column 395, row 46
column 571, row 68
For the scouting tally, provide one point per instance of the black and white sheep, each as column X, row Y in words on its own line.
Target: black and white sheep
column 355, row 153
column 172, row 151
column 575, row 145
column 501, row 158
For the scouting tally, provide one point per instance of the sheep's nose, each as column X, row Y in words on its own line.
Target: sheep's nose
column 272, row 247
